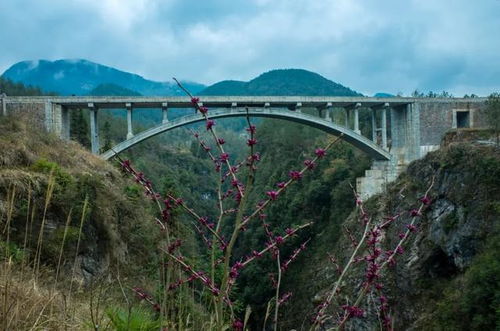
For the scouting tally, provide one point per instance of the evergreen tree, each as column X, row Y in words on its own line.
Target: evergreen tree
column 106, row 133
column 79, row 127
column 493, row 114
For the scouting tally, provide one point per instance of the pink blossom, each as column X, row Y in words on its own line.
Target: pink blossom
column 203, row 109
column 309, row 164
column 411, row 227
column 295, row 175
column 273, row 195
column 414, row 212
column 221, row 141
column 320, row 152
column 251, row 129
column 425, row 200
column 255, row 157
column 353, row 311
column 281, row 184
column 224, row 157
column 251, row 142
column 210, row 124
column 195, row 101
column 237, row 325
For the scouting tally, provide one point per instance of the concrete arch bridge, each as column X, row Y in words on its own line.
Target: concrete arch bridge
column 402, row 129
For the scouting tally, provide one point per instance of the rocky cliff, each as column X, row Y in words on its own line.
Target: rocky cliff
column 447, row 276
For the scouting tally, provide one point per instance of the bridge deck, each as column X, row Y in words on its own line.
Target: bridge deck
column 289, row 102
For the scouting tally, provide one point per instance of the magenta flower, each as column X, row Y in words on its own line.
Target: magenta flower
column 251, row 129
column 221, row 141
column 256, row 254
column 353, row 311
column 273, row 195
column 238, row 325
column 309, row 164
column 278, row 239
column 425, row 200
column 210, row 124
column 251, row 142
column 224, row 157
column 195, row 101
column 256, row 157
column 320, row 152
column 203, row 109
column 295, row 175
column 414, row 212
column 281, row 184
column 411, row 227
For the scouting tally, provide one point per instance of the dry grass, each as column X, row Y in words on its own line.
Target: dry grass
column 28, row 304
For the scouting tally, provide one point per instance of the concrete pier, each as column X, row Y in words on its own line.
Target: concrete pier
column 130, row 133
column 94, row 129
column 164, row 111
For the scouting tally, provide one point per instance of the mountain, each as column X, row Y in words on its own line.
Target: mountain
column 80, row 77
column 112, row 89
column 383, row 95
column 282, row 82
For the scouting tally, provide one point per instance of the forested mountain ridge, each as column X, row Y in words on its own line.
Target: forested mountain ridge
column 281, row 82
column 80, row 77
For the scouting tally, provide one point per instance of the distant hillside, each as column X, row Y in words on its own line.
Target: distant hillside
column 383, row 95
column 80, row 77
column 282, row 82
column 13, row 89
column 112, row 89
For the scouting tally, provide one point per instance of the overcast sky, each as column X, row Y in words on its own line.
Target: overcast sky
column 368, row 45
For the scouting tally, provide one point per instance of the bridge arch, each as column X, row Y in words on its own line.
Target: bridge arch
column 357, row 140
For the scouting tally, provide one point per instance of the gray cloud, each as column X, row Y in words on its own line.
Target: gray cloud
column 368, row 45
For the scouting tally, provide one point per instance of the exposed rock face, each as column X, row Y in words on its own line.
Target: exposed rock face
column 450, row 235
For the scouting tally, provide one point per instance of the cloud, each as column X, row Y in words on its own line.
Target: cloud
column 368, row 45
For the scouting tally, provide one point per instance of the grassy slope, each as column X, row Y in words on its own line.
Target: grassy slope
column 118, row 231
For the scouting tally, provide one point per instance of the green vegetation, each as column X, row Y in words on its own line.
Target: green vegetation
column 493, row 114
column 112, row 89
column 17, row 89
column 472, row 300
column 281, row 82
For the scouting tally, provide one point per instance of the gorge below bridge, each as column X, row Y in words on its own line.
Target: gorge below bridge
column 400, row 129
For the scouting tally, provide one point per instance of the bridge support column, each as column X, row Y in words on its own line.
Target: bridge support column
column 164, row 110
column 130, row 134
column 328, row 112
column 374, row 126
column 4, row 105
column 298, row 107
column 65, row 123
column 384, row 126
column 48, row 115
column 94, row 129
column 356, row 118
